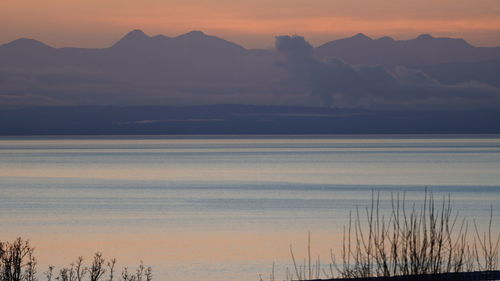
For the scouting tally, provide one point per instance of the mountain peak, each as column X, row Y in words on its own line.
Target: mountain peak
column 455, row 42
column 196, row 33
column 26, row 43
column 133, row 37
column 135, row 34
column 361, row 36
column 425, row 37
column 193, row 34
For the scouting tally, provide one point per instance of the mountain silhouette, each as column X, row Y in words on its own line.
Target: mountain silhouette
column 196, row 45
column 189, row 67
column 24, row 51
column 24, row 44
column 197, row 69
column 136, row 39
column 194, row 41
column 423, row 50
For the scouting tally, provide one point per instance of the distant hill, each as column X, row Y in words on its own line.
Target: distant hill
column 423, row 50
column 136, row 49
column 191, row 68
column 200, row 69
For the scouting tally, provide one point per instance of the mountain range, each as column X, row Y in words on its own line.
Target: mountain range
column 423, row 50
column 199, row 69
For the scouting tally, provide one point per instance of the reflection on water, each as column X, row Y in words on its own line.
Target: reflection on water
column 223, row 208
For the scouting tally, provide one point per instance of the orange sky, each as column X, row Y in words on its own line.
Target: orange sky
column 98, row 23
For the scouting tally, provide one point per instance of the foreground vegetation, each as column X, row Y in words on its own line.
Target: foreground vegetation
column 427, row 239
column 18, row 263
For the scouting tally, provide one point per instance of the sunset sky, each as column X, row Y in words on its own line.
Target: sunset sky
column 98, row 23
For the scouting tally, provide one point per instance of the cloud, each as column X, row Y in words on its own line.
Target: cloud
column 339, row 84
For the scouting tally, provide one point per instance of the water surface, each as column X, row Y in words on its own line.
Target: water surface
column 224, row 208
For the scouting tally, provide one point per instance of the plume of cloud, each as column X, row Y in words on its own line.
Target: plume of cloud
column 343, row 85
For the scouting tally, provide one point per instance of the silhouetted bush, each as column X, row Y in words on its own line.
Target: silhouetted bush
column 427, row 239
column 17, row 263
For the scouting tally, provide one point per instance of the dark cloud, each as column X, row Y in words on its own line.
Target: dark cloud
column 340, row 84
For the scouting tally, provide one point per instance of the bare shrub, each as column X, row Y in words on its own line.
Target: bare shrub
column 97, row 269
column 80, row 269
column 429, row 238
column 17, row 262
column 111, row 269
column 486, row 247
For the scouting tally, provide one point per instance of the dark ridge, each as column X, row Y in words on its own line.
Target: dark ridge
column 25, row 43
column 240, row 119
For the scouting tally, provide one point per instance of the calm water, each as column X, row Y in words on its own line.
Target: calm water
column 223, row 208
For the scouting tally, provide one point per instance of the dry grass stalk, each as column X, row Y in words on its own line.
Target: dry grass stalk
column 429, row 238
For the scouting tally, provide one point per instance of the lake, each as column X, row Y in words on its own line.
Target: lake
column 225, row 207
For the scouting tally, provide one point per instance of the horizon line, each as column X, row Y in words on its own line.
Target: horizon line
column 358, row 34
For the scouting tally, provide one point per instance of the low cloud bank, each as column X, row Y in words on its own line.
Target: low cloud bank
column 339, row 84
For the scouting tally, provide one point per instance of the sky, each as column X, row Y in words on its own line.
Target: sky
column 197, row 69
column 251, row 23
